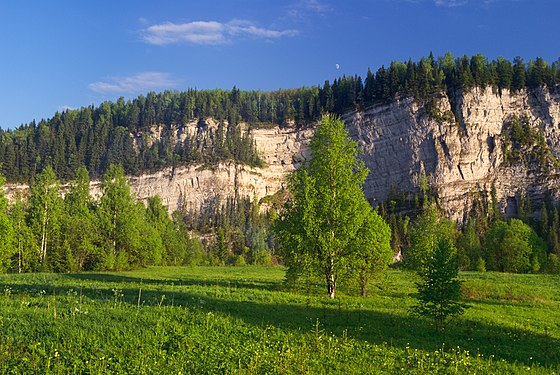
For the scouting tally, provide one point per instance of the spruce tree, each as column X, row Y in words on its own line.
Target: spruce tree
column 439, row 292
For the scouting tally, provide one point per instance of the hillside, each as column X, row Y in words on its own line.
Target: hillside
column 470, row 125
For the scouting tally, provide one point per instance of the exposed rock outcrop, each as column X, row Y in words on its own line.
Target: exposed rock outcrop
column 460, row 149
column 189, row 187
column 461, row 157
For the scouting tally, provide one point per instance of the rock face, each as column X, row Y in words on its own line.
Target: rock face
column 401, row 141
column 188, row 188
column 460, row 149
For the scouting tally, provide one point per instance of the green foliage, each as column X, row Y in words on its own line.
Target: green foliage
column 373, row 251
column 426, row 232
column 47, row 232
column 439, row 292
column 553, row 265
column 25, row 259
column 119, row 220
column 318, row 228
column 220, row 250
column 239, row 320
column 244, row 229
column 525, row 142
column 469, row 248
column 7, row 235
column 45, row 217
column 513, row 246
column 480, row 265
column 81, row 225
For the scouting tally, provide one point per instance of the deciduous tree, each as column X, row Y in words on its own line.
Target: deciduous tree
column 327, row 209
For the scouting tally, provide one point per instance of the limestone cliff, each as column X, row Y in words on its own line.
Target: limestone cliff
column 460, row 156
column 461, row 150
column 188, row 188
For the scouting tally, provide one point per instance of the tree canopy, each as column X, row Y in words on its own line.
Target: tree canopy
column 328, row 224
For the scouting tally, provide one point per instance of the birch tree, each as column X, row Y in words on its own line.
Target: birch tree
column 327, row 209
column 81, row 229
column 119, row 220
column 7, row 248
column 45, row 209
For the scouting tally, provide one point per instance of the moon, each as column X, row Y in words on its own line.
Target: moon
column 337, row 66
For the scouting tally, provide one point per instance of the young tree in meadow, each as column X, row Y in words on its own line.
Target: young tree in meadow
column 119, row 220
column 81, row 228
column 372, row 249
column 439, row 292
column 7, row 246
column 45, row 214
column 327, row 208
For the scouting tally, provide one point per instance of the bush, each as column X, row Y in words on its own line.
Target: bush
column 236, row 260
column 262, row 257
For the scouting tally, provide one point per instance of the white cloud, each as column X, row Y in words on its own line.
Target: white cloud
column 141, row 82
column 450, row 3
column 208, row 32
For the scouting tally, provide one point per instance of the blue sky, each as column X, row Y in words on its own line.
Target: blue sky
column 68, row 54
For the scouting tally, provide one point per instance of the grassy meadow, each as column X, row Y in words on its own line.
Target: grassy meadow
column 182, row 320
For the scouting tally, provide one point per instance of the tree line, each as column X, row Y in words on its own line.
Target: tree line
column 56, row 228
column 119, row 132
column 238, row 231
column 487, row 241
column 50, row 232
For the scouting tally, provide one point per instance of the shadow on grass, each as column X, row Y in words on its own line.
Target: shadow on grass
column 181, row 281
column 375, row 327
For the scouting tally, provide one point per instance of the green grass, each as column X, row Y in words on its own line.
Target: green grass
column 243, row 320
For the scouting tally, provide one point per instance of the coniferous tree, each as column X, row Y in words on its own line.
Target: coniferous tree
column 518, row 79
column 439, row 292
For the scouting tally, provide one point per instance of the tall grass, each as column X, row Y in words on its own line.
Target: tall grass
column 243, row 320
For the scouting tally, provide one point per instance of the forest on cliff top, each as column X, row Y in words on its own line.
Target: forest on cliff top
column 121, row 132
